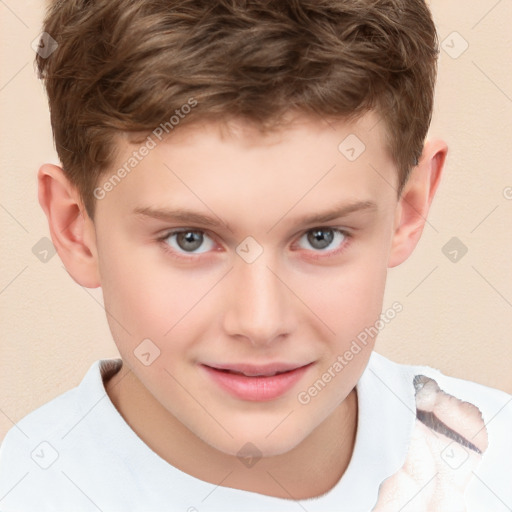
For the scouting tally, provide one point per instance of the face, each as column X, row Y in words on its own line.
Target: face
column 208, row 251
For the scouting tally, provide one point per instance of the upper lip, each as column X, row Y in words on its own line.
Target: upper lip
column 253, row 370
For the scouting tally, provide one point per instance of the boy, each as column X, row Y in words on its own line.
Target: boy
column 285, row 141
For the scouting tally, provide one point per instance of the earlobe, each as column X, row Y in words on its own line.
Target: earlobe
column 71, row 229
column 415, row 200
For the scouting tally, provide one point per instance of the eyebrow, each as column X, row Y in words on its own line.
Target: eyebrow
column 184, row 215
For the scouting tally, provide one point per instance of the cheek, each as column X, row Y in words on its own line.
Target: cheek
column 347, row 298
column 350, row 304
column 149, row 305
column 147, row 297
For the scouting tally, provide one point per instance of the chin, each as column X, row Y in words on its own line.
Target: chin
column 257, row 445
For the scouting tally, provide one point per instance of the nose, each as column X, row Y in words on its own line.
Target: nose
column 259, row 305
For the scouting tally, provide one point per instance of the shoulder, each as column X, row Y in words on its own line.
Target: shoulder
column 51, row 419
column 30, row 448
column 494, row 405
column 469, row 406
column 34, row 448
column 58, row 416
column 490, row 400
column 466, row 427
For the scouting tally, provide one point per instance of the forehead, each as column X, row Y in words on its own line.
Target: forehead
column 247, row 135
column 235, row 168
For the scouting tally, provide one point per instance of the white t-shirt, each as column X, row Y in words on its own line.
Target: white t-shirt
column 76, row 453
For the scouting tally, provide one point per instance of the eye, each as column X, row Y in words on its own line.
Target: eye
column 187, row 240
column 321, row 238
column 184, row 243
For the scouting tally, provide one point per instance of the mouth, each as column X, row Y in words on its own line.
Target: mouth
column 256, row 383
column 251, row 374
column 251, row 370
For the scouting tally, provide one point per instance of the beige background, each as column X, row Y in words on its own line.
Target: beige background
column 457, row 316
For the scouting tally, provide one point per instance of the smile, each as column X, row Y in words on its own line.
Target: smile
column 255, row 384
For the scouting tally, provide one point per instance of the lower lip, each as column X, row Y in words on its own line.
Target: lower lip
column 259, row 389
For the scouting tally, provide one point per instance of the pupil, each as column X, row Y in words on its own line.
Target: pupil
column 189, row 237
column 318, row 235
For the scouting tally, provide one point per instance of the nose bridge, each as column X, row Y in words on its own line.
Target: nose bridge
column 259, row 306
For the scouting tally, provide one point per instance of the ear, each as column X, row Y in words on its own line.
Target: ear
column 415, row 200
column 71, row 229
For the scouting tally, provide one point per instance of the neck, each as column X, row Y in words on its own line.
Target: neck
column 309, row 470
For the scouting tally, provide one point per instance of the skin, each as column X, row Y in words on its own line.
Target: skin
column 215, row 307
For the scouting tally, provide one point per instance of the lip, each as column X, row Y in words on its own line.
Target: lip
column 256, row 388
column 252, row 370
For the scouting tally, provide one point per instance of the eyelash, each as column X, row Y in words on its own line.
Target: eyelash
column 327, row 254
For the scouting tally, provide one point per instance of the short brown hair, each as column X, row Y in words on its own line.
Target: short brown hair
column 127, row 65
